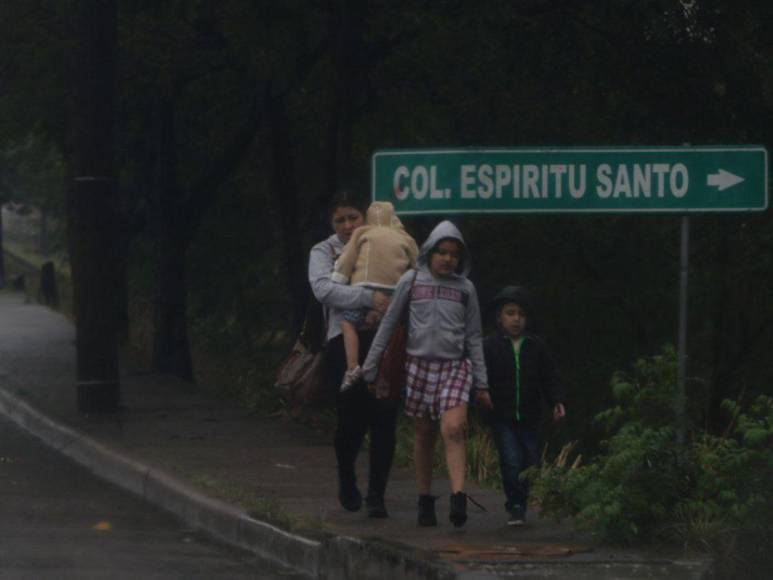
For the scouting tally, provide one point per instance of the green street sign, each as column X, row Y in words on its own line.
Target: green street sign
column 568, row 180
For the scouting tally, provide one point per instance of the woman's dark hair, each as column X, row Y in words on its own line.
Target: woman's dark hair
column 345, row 198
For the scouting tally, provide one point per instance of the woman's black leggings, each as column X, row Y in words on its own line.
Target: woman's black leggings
column 359, row 412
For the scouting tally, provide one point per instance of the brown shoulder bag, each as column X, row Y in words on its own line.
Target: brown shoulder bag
column 391, row 372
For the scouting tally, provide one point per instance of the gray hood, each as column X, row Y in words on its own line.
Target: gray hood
column 444, row 230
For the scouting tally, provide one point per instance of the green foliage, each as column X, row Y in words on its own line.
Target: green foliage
column 482, row 460
column 404, row 442
column 712, row 492
column 647, row 397
column 37, row 173
column 731, row 507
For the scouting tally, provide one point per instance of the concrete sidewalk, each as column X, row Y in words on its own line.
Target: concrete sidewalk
column 268, row 484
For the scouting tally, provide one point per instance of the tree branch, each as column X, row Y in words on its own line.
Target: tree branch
column 202, row 194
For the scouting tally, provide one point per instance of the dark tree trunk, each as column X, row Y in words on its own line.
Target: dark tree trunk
column 122, row 276
column 170, row 222
column 44, row 233
column 345, row 21
column 94, row 210
column 340, row 136
column 287, row 201
column 2, row 250
column 171, row 347
column 174, row 215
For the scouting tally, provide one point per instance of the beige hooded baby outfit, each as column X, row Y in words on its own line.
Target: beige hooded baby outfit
column 379, row 252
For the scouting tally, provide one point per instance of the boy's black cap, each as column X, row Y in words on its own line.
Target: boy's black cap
column 516, row 294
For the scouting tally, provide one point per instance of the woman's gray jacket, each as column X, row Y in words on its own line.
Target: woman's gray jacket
column 333, row 297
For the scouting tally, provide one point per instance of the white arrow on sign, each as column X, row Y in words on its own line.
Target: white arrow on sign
column 723, row 179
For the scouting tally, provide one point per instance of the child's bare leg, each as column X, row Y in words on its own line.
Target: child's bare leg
column 351, row 344
column 452, row 424
column 425, row 434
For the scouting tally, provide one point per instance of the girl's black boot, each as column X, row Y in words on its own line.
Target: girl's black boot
column 427, row 515
column 458, row 513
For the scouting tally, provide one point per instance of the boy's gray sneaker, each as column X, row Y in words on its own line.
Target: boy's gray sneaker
column 517, row 517
column 350, row 377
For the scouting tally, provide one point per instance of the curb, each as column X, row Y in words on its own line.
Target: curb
column 328, row 557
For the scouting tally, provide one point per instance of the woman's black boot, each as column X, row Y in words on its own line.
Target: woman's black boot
column 458, row 513
column 427, row 515
column 376, row 507
column 348, row 494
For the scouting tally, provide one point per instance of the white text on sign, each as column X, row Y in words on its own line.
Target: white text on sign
column 544, row 181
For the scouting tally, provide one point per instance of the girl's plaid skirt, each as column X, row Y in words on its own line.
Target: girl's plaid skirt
column 435, row 386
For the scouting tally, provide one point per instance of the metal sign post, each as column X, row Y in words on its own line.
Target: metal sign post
column 681, row 369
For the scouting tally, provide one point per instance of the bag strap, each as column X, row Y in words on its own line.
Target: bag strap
column 407, row 307
column 314, row 329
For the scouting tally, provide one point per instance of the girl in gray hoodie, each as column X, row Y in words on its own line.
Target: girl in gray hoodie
column 445, row 360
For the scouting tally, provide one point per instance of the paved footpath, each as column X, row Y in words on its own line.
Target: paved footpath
column 268, row 484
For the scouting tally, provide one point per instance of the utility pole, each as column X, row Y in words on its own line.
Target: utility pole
column 94, row 208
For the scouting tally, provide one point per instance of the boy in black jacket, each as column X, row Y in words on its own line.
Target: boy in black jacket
column 520, row 372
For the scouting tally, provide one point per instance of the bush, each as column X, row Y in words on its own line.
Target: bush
column 734, row 493
column 711, row 492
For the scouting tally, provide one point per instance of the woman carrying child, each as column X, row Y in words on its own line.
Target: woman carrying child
column 521, row 373
column 445, row 358
column 358, row 411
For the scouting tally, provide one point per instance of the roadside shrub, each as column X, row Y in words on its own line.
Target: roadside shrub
column 731, row 511
column 712, row 493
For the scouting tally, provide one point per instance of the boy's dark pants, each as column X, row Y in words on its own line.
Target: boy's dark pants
column 359, row 412
column 517, row 447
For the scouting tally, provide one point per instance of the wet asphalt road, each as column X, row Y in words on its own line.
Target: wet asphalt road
column 57, row 521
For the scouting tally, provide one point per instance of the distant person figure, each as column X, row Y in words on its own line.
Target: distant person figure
column 521, row 372
column 375, row 257
column 20, row 283
column 359, row 412
column 48, row 291
column 445, row 358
